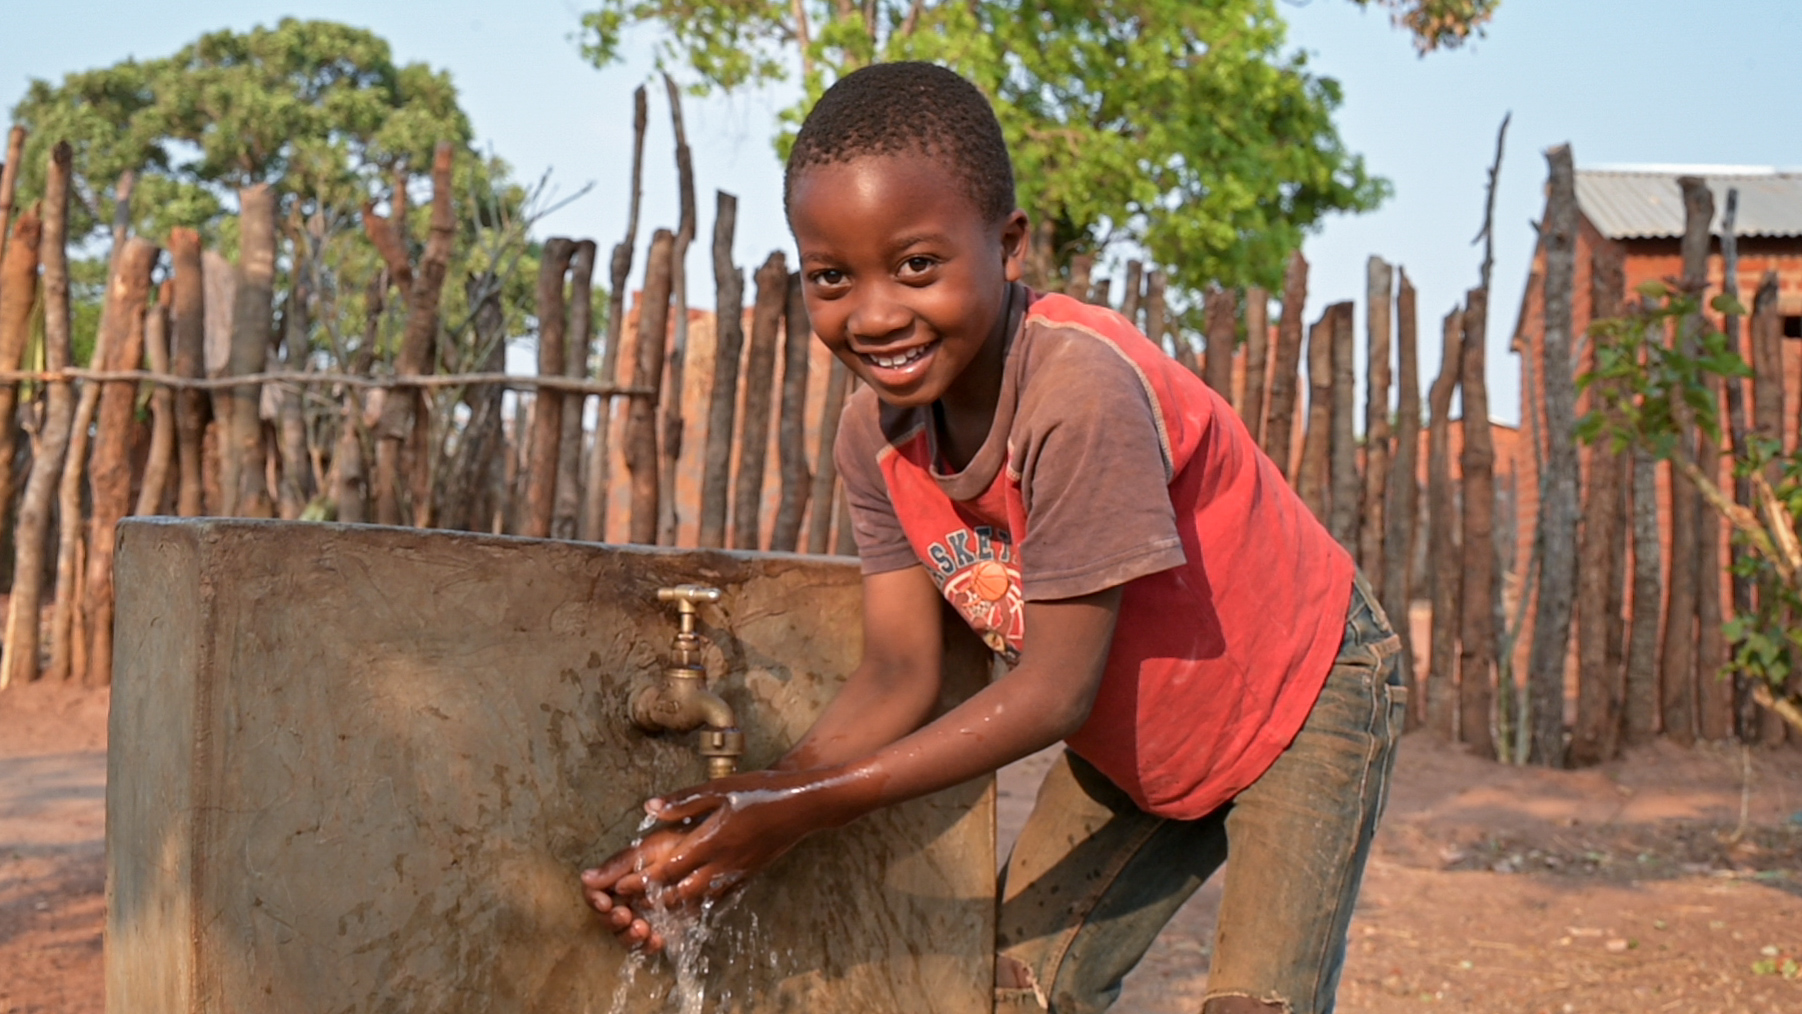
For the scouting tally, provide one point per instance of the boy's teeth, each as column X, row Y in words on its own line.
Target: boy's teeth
column 892, row 362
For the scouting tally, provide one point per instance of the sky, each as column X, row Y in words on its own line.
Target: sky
column 1621, row 81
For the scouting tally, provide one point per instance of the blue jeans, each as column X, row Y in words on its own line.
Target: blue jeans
column 1094, row 879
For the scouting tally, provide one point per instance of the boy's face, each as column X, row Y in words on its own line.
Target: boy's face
column 905, row 280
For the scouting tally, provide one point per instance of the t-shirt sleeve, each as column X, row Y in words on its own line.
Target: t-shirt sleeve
column 882, row 545
column 1095, row 480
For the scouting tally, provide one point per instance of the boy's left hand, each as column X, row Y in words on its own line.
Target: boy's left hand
column 746, row 822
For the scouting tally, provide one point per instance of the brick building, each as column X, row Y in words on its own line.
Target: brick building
column 1637, row 213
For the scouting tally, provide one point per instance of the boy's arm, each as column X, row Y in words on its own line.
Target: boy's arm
column 894, row 688
column 751, row 820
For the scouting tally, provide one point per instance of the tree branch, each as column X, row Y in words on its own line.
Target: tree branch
column 803, row 38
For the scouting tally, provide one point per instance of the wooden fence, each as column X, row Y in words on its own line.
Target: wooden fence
column 715, row 428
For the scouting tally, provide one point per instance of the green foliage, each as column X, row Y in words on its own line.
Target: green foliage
column 1647, row 382
column 87, row 290
column 320, row 109
column 1438, row 24
column 1654, row 394
column 1184, row 129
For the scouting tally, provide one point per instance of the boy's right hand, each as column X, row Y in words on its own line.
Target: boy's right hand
column 629, row 926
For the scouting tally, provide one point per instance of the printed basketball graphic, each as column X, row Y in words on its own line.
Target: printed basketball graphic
column 987, row 593
column 988, row 580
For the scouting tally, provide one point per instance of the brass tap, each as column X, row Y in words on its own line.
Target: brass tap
column 680, row 700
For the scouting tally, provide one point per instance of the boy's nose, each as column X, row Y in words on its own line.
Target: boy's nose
column 879, row 321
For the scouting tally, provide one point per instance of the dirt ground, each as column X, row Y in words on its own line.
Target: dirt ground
column 1492, row 889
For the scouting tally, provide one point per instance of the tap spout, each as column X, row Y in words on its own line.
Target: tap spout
column 681, row 702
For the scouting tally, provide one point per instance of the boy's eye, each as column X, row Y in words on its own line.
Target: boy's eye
column 918, row 265
column 829, row 277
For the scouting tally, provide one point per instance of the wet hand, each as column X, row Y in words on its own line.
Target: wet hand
column 630, row 927
column 740, row 825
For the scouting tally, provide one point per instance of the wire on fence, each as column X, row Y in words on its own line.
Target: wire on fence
column 569, row 385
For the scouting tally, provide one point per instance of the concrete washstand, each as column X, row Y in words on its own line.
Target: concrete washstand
column 357, row 769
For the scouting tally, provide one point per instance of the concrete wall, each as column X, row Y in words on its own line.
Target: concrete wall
column 358, row 768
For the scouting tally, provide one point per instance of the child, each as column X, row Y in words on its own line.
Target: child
column 1168, row 607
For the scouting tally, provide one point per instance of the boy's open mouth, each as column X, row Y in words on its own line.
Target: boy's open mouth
column 895, row 366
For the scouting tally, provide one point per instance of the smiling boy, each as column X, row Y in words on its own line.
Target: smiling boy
column 1167, row 607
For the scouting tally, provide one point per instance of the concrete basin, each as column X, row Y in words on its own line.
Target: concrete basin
column 356, row 769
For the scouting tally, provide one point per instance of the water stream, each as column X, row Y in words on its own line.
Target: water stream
column 701, row 947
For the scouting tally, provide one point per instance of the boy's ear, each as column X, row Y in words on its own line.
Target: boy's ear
column 1014, row 232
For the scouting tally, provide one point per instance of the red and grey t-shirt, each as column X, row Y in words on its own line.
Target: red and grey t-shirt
column 1110, row 464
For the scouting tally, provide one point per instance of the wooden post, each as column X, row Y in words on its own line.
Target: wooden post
column 1444, row 557
column 1156, row 322
column 9, row 179
column 188, row 359
column 678, row 351
column 1222, row 334
column 547, row 423
column 1279, row 428
column 127, row 291
column 1714, row 693
column 825, row 469
column 1596, row 737
column 722, row 406
column 1313, row 479
column 292, row 493
column 578, row 338
column 1132, row 299
column 1560, row 499
column 1081, row 266
column 402, row 409
column 1476, row 662
column 472, row 494
column 251, row 319
column 1379, row 283
column 1679, row 691
column 349, row 458
column 760, row 374
column 161, row 457
column 20, row 658
column 600, row 459
column 1041, row 257
column 1767, row 406
column 1643, row 668
column 18, row 295
column 647, row 372
column 1743, row 710
column 791, row 432
column 1402, row 512
column 219, row 279
column 68, row 648
column 1257, row 347
column 1343, row 501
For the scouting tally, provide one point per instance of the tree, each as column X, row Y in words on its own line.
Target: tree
column 318, row 107
column 1239, row 160
column 340, row 135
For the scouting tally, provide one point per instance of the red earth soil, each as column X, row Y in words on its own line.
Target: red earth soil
column 1625, row 888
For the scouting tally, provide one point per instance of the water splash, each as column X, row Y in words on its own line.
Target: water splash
column 693, row 940
column 628, row 975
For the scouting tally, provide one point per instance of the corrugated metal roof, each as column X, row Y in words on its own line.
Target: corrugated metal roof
column 1644, row 202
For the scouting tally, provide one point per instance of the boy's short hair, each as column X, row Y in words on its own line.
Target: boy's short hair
column 909, row 108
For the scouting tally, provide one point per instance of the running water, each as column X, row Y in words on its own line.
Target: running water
column 696, row 943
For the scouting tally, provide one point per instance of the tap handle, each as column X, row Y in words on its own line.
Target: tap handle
column 687, row 596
